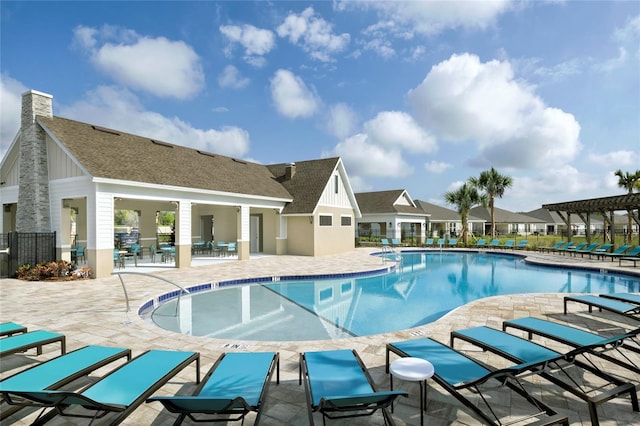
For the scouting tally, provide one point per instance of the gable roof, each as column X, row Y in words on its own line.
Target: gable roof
column 502, row 216
column 549, row 216
column 306, row 185
column 442, row 214
column 111, row 154
column 385, row 202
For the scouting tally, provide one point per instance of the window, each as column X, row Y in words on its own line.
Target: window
column 335, row 183
column 345, row 220
column 326, row 220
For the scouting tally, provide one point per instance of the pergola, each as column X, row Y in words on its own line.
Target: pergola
column 606, row 207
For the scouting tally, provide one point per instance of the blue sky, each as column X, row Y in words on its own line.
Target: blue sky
column 412, row 95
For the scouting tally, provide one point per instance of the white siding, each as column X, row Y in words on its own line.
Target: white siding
column 329, row 196
column 60, row 165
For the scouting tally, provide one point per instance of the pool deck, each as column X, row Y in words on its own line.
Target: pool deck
column 92, row 312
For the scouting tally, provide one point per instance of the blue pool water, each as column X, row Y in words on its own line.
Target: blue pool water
column 423, row 289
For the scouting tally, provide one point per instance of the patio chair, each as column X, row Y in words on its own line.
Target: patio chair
column 619, row 252
column 441, row 242
column 523, row 244
column 602, row 303
column 385, row 242
column 429, row 242
column 80, row 254
column 549, row 248
column 33, row 339
column 232, row 249
column 586, row 250
column 452, row 242
column 481, row 243
column 338, row 385
column 551, row 365
column 595, row 344
column 494, row 243
column 562, row 247
column 460, row 375
column 602, row 249
column 571, row 249
column 11, row 328
column 118, row 393
column 235, row 385
column 625, row 297
column 118, row 260
column 57, row 372
column 632, row 255
column 507, row 244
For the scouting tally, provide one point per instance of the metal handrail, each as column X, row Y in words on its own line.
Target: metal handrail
column 146, row 274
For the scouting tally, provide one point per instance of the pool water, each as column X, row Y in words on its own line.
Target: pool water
column 425, row 287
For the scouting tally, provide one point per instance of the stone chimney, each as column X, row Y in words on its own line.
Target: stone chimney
column 289, row 171
column 33, row 212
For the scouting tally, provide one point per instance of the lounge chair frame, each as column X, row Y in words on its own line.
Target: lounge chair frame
column 599, row 346
column 43, row 338
column 11, row 328
column 237, row 406
column 506, row 376
column 55, row 382
column 629, row 310
column 544, row 368
column 62, row 400
column 329, row 407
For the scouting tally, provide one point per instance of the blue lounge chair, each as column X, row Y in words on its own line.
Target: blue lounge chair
column 119, row 392
column 571, row 249
column 441, row 242
column 385, row 242
column 619, row 252
column 602, row 303
column 456, row 373
column 550, row 365
column 507, row 244
column 452, row 242
column 33, row 339
column 395, row 242
column 594, row 343
column 586, row 250
column 429, row 242
column 563, row 247
column 523, row 244
column 57, row 372
column 481, row 243
column 494, row 243
column 625, row 297
column 11, row 328
column 553, row 247
column 338, row 385
column 632, row 255
column 235, row 385
column 602, row 249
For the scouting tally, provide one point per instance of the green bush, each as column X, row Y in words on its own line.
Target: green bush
column 51, row 271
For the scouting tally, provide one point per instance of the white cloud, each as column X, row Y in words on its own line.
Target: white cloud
column 555, row 185
column 230, row 77
column 613, row 63
column 159, row 66
column 396, row 129
column 437, row 166
column 406, row 19
column 121, row 109
column 464, row 100
column 11, row 91
column 313, row 34
column 363, row 158
column 257, row 42
column 629, row 32
column 341, row 120
column 291, row 95
column 616, row 159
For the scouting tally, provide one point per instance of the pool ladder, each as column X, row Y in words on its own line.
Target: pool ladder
column 126, row 295
column 388, row 253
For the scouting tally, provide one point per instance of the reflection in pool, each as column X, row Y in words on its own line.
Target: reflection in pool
column 423, row 289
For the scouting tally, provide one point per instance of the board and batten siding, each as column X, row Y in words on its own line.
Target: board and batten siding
column 60, row 164
column 331, row 198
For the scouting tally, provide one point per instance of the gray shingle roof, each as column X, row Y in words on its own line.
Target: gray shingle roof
column 439, row 213
column 123, row 156
column 383, row 202
column 503, row 216
column 307, row 184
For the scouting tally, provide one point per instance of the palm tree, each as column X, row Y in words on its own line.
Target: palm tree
column 494, row 185
column 628, row 181
column 465, row 198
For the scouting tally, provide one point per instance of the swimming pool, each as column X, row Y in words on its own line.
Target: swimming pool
column 422, row 289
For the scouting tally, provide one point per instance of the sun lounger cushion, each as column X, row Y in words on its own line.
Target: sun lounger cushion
column 33, row 339
column 617, row 306
column 625, row 297
column 10, row 328
column 236, row 383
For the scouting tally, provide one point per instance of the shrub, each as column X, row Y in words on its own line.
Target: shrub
column 52, row 271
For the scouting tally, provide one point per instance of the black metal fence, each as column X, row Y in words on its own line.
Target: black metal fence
column 25, row 248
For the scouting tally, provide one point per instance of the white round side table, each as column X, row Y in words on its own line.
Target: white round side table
column 413, row 370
